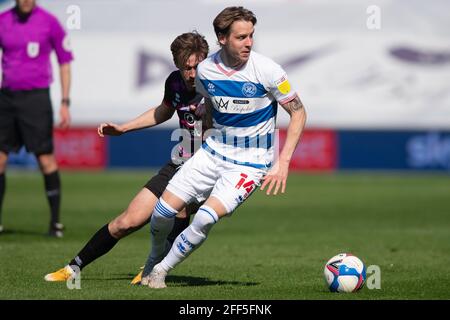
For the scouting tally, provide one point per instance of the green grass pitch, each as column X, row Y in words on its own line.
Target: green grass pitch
column 273, row 247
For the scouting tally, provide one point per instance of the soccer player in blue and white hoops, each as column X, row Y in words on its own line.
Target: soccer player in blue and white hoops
column 243, row 89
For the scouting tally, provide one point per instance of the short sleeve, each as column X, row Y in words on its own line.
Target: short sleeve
column 168, row 92
column 60, row 42
column 279, row 85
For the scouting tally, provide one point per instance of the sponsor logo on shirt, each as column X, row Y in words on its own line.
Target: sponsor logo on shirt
column 221, row 104
column 236, row 105
column 236, row 101
column 211, row 88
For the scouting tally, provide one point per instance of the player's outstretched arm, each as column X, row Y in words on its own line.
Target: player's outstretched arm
column 150, row 118
column 277, row 176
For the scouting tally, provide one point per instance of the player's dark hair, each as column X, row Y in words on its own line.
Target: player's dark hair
column 187, row 44
column 222, row 23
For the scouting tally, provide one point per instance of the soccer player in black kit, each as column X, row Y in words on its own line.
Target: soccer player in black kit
column 188, row 50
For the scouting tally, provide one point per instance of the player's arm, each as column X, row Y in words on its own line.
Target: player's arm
column 150, row 118
column 207, row 115
column 277, row 176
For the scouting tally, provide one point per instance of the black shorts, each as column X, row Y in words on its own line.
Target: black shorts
column 158, row 183
column 26, row 118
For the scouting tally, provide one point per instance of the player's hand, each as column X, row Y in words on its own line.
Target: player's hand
column 64, row 115
column 276, row 177
column 199, row 110
column 109, row 129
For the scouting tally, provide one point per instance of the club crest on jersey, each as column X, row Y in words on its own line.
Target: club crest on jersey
column 189, row 118
column 33, row 49
column 66, row 44
column 249, row 89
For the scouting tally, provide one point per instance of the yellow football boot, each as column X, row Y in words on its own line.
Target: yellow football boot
column 61, row 275
column 137, row 279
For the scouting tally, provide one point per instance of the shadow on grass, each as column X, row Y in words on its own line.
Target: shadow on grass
column 181, row 281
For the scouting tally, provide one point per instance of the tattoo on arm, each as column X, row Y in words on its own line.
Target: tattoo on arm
column 293, row 105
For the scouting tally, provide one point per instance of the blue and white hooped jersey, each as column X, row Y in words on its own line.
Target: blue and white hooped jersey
column 245, row 103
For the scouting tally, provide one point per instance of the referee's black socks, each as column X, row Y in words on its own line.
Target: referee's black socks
column 53, row 191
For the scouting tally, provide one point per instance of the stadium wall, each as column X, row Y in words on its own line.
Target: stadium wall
column 378, row 98
column 323, row 150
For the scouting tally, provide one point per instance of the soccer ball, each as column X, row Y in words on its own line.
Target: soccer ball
column 345, row 273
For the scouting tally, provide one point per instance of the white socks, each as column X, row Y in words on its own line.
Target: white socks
column 191, row 238
column 161, row 225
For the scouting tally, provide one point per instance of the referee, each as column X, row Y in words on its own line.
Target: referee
column 28, row 35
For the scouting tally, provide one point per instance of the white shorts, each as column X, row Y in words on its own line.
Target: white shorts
column 205, row 175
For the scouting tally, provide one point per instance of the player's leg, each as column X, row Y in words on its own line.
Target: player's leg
column 180, row 223
column 133, row 218
column 195, row 178
column 189, row 240
column 235, row 185
column 156, row 185
column 161, row 224
column 182, row 220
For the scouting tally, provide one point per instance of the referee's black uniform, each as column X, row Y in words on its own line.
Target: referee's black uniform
column 28, row 34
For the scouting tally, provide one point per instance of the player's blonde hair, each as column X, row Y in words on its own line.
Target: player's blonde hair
column 222, row 23
column 187, row 44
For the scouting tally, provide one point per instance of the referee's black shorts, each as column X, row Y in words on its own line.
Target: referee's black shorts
column 158, row 183
column 26, row 118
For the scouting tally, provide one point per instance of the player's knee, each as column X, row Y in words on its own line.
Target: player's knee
column 182, row 214
column 163, row 211
column 124, row 225
column 204, row 220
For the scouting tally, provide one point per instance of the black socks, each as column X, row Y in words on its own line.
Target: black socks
column 97, row 246
column 53, row 191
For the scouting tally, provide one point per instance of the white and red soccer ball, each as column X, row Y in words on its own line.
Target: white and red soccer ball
column 345, row 273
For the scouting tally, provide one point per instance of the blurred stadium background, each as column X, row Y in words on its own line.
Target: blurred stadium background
column 376, row 98
column 378, row 104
